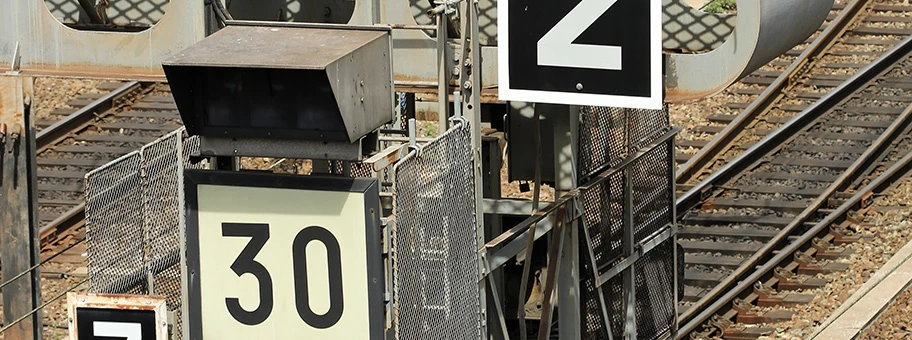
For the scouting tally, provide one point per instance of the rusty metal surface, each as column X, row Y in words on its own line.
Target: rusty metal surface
column 18, row 209
column 152, row 303
column 49, row 47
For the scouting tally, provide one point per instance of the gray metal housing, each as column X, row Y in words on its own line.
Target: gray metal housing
column 285, row 81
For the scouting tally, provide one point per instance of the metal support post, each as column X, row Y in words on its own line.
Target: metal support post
column 672, row 166
column 629, row 274
column 19, row 208
column 443, row 74
column 491, row 165
column 566, row 125
column 470, row 87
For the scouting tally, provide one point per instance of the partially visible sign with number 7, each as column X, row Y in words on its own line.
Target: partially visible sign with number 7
column 278, row 257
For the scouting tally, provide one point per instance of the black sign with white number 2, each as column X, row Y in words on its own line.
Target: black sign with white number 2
column 588, row 46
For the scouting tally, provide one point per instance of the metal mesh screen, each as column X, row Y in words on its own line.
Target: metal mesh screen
column 604, row 217
column 655, row 301
column 651, row 185
column 114, row 222
column 132, row 221
column 435, row 263
column 608, row 134
column 607, row 137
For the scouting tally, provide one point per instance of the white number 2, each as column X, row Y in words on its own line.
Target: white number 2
column 556, row 48
column 129, row 330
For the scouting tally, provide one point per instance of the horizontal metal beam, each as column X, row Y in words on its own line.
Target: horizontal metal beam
column 506, row 206
column 640, row 250
column 513, row 241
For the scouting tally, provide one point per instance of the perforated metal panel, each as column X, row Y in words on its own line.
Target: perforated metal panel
column 655, row 307
column 610, row 137
column 114, row 223
column 650, row 180
column 608, row 134
column 132, row 221
column 434, row 257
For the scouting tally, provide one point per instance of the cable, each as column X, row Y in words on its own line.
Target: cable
column 4, row 284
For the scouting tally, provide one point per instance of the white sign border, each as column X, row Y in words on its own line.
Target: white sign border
column 190, row 229
column 652, row 102
column 153, row 303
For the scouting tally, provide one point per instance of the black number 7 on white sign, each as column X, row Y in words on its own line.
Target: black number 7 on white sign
column 588, row 52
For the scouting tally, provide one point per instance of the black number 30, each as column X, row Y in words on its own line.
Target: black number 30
column 245, row 263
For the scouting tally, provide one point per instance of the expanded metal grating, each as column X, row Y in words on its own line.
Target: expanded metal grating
column 651, row 187
column 655, row 300
column 114, row 241
column 132, row 221
column 608, row 137
column 434, row 258
column 604, row 217
column 608, row 134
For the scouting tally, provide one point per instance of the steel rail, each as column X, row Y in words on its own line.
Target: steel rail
column 858, row 167
column 60, row 131
column 82, row 117
column 777, row 138
column 882, row 182
column 775, row 92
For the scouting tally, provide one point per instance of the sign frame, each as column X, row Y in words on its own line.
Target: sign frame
column 656, row 86
column 152, row 303
column 192, row 179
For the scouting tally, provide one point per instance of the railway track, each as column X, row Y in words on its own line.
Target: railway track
column 856, row 33
column 102, row 128
column 779, row 197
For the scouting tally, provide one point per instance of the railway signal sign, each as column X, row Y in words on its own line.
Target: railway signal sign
column 588, row 52
column 114, row 316
column 280, row 257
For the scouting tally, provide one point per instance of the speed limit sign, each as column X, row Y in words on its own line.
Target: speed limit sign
column 282, row 257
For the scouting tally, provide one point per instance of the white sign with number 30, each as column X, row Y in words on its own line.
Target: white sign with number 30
column 279, row 256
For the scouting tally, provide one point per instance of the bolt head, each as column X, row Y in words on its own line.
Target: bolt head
column 579, row 86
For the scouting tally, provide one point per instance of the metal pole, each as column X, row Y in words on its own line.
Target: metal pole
column 566, row 124
column 443, row 74
column 672, row 166
column 470, row 84
column 18, row 209
column 629, row 274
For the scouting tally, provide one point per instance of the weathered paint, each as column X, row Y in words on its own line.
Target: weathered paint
column 18, row 210
column 49, row 47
